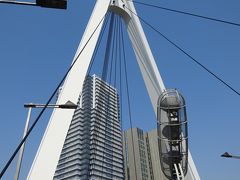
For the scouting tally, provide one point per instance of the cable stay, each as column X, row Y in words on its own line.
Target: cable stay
column 187, row 54
column 99, row 41
column 188, row 13
column 117, row 50
column 128, row 99
column 108, row 46
column 114, row 69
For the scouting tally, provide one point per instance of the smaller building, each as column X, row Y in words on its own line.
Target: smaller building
column 141, row 148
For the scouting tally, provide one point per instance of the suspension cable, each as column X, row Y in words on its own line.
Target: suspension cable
column 49, row 100
column 117, row 50
column 187, row 13
column 120, row 72
column 108, row 46
column 107, row 77
column 112, row 49
column 100, row 39
column 187, row 54
column 93, row 58
column 128, row 100
column 120, row 85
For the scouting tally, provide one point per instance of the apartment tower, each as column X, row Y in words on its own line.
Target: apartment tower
column 93, row 146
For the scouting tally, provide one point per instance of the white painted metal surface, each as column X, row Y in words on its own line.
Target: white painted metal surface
column 46, row 160
column 19, row 162
column 179, row 171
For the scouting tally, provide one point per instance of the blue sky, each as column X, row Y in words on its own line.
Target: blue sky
column 37, row 46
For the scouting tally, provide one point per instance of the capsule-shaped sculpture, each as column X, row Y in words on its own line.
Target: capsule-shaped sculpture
column 172, row 134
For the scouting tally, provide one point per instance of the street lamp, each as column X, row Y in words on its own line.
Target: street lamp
column 67, row 105
column 227, row 155
column 57, row 4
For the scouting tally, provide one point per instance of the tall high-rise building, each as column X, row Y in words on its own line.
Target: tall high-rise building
column 93, row 146
column 142, row 148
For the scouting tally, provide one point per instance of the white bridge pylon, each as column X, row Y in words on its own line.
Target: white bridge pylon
column 46, row 159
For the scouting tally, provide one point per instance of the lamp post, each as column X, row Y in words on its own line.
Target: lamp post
column 227, row 155
column 57, row 4
column 67, row 105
